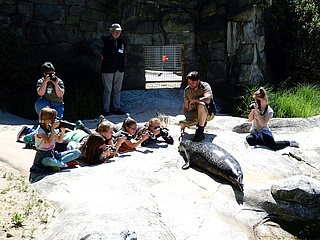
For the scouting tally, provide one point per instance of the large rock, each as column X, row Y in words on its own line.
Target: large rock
column 145, row 194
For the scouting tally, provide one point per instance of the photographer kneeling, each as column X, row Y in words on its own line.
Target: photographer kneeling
column 50, row 88
column 260, row 115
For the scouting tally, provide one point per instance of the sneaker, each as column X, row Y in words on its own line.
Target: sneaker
column 100, row 119
column 24, row 131
column 72, row 163
column 119, row 112
column 79, row 124
column 105, row 113
column 294, row 144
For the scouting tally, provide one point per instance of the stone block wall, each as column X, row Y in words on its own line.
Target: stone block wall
column 222, row 39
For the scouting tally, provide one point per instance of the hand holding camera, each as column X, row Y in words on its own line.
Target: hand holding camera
column 121, row 139
column 55, row 124
column 65, row 124
column 254, row 103
column 127, row 135
column 155, row 130
column 147, row 131
column 52, row 77
column 145, row 135
column 111, row 148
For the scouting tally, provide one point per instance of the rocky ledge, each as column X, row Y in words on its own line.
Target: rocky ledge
column 145, row 194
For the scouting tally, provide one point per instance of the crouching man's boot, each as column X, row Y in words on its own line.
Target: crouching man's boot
column 199, row 136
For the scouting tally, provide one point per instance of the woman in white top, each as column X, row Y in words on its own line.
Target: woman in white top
column 260, row 115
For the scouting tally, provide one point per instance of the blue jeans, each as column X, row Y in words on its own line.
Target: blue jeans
column 112, row 83
column 42, row 102
column 61, row 158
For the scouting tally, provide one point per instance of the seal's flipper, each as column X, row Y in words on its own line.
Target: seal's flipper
column 186, row 165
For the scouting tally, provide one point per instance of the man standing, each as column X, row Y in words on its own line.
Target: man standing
column 51, row 90
column 199, row 107
column 112, row 51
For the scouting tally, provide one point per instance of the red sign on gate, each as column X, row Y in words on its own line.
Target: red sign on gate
column 164, row 58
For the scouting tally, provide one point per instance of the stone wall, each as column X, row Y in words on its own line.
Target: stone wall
column 223, row 39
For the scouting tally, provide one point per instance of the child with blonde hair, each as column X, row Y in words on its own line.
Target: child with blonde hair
column 46, row 137
column 105, row 128
column 155, row 131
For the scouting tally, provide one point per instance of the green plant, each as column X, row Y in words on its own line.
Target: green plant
column 8, row 176
column 28, row 208
column 17, row 219
column 5, row 190
column 303, row 100
column 244, row 100
column 43, row 218
column 293, row 40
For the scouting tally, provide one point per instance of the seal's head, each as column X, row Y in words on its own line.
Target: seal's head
column 184, row 145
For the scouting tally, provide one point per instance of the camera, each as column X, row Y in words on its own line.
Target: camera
column 52, row 77
column 128, row 135
column 251, row 106
column 164, row 132
column 121, row 134
column 66, row 124
column 112, row 149
column 145, row 131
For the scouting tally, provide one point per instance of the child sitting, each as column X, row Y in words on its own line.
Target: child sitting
column 45, row 141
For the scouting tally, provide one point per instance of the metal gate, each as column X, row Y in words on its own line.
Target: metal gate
column 163, row 66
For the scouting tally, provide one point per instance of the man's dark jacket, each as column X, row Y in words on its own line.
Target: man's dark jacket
column 113, row 57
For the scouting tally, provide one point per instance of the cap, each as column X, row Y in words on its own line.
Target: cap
column 115, row 26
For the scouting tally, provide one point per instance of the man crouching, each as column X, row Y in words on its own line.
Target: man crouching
column 199, row 107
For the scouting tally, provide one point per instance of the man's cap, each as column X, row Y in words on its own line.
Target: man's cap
column 116, row 26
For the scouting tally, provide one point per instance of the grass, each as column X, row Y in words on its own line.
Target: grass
column 301, row 101
column 23, row 214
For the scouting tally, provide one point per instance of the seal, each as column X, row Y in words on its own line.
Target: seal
column 213, row 159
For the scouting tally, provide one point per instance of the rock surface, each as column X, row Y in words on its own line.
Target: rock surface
column 144, row 194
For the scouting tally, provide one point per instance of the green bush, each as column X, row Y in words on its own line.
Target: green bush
column 293, row 40
column 302, row 101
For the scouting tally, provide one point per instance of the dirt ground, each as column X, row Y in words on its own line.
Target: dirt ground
column 23, row 214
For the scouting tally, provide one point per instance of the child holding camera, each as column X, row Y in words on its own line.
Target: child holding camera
column 105, row 128
column 260, row 115
column 155, row 131
column 50, row 88
column 75, row 134
column 95, row 150
column 129, row 129
column 45, row 141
